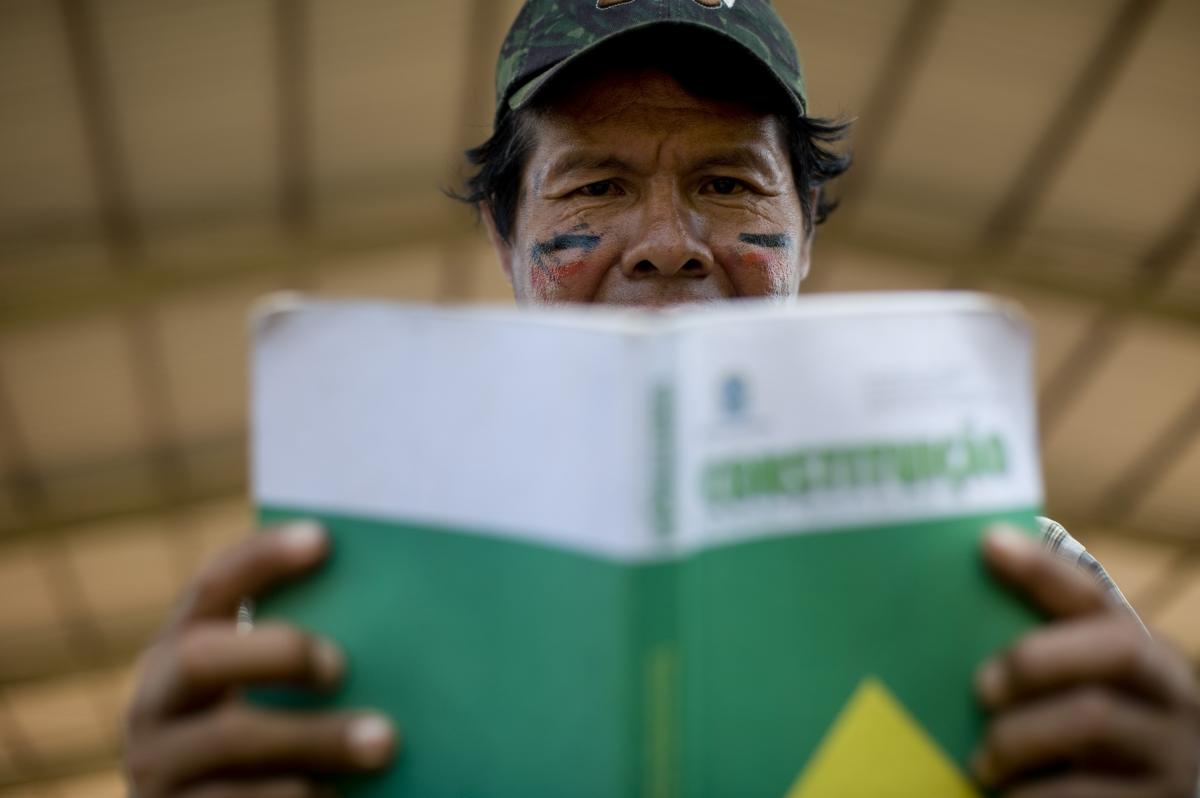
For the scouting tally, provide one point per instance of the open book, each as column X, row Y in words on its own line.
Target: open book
column 725, row 551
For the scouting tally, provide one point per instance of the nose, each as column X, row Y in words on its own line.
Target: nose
column 668, row 243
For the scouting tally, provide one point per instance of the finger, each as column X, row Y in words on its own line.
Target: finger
column 241, row 740
column 1108, row 649
column 1053, row 586
column 264, row 560
column 208, row 659
column 261, row 788
column 1088, row 729
column 1082, row 786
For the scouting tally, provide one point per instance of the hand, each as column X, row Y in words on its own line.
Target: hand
column 1090, row 706
column 188, row 731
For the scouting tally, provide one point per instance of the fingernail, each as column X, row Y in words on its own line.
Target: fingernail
column 370, row 740
column 1008, row 540
column 329, row 661
column 989, row 683
column 303, row 537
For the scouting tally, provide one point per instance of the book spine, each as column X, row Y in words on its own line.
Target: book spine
column 662, row 412
column 656, row 604
column 659, row 675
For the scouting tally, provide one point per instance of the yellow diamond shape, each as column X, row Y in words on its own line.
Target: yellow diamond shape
column 875, row 749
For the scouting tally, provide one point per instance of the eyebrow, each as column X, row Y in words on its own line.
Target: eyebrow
column 582, row 160
column 585, row 161
column 740, row 158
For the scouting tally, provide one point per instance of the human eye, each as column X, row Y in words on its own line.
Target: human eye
column 600, row 188
column 725, row 186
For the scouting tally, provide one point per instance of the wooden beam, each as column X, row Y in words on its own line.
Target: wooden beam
column 41, row 302
column 15, row 742
column 32, row 669
column 1170, row 585
column 1153, row 273
column 293, row 114
column 126, row 251
column 22, row 482
column 1138, row 480
column 43, row 776
column 105, row 149
column 1036, row 176
column 897, row 76
column 485, row 27
column 227, row 479
column 1029, row 273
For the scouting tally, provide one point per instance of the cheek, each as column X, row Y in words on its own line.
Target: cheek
column 761, row 272
column 539, row 282
column 565, row 279
column 570, row 271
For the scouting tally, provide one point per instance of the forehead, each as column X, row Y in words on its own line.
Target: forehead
column 629, row 108
column 624, row 92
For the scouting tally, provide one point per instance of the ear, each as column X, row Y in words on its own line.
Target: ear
column 504, row 250
column 806, row 244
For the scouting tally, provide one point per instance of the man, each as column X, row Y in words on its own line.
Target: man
column 651, row 152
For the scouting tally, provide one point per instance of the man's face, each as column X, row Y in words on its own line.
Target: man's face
column 638, row 193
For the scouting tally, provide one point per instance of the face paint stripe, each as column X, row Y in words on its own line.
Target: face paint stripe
column 561, row 243
column 777, row 241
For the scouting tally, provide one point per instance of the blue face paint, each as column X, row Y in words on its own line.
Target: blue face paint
column 562, row 243
column 777, row 241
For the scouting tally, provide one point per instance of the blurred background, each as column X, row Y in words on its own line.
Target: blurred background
column 163, row 162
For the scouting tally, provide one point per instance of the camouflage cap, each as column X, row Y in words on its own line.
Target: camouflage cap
column 549, row 34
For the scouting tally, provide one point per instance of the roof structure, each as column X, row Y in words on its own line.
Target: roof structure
column 162, row 163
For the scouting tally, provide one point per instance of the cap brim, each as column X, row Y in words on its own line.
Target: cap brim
column 527, row 91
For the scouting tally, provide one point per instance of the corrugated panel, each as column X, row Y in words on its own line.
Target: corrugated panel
column 23, row 792
column 980, row 105
column 488, row 283
column 59, row 718
column 1137, row 163
column 413, row 275
column 1058, row 323
column 43, row 163
column 111, row 690
column 48, row 224
column 72, row 392
column 1136, row 566
column 839, row 269
column 386, row 82
column 1152, row 374
column 217, row 526
column 1177, row 621
column 1172, row 505
column 1184, row 287
column 8, row 770
column 126, row 568
column 109, row 784
column 10, row 515
column 842, row 46
column 204, row 342
column 22, row 577
column 194, row 92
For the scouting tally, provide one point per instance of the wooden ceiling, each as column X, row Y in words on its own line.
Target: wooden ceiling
column 163, row 162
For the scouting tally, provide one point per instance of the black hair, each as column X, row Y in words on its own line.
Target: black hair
column 686, row 56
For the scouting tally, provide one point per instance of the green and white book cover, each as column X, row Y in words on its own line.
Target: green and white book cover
column 717, row 552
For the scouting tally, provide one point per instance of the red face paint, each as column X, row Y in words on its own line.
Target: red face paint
column 762, row 272
column 754, row 262
column 568, row 271
column 555, row 281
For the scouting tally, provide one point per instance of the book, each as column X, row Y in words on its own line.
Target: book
column 720, row 551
